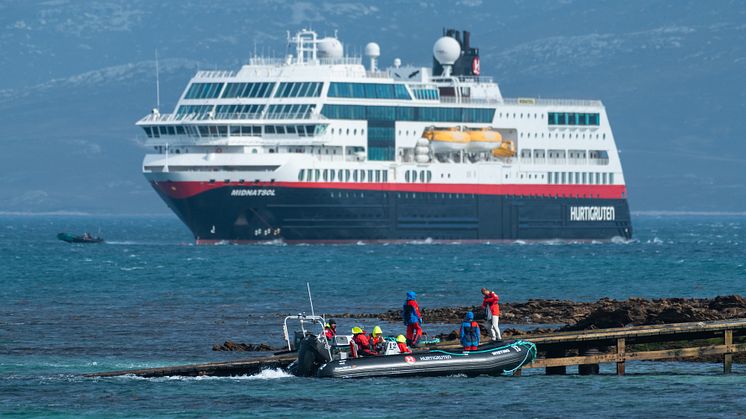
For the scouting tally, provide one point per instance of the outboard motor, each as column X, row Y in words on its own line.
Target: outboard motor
column 312, row 354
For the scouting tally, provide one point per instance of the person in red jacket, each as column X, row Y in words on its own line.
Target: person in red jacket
column 412, row 318
column 360, row 344
column 401, row 342
column 492, row 312
column 330, row 330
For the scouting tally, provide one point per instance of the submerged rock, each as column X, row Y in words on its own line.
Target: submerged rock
column 243, row 347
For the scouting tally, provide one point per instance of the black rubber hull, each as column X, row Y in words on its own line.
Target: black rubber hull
column 497, row 361
column 260, row 213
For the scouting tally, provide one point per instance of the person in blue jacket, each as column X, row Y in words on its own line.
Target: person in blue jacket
column 412, row 319
column 469, row 333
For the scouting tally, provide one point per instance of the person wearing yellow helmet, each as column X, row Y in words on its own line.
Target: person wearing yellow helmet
column 401, row 342
column 360, row 343
column 376, row 339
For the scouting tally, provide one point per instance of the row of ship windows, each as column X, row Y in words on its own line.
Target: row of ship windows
column 540, row 156
column 368, row 91
column 573, row 118
column 234, row 130
column 581, row 178
column 252, row 90
column 408, row 113
column 343, row 175
column 425, row 176
column 562, row 135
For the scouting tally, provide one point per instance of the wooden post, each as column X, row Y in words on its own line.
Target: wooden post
column 620, row 343
column 588, row 369
column 728, row 357
column 556, row 353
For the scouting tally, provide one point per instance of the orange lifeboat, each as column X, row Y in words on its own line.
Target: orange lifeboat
column 506, row 149
column 446, row 140
column 483, row 139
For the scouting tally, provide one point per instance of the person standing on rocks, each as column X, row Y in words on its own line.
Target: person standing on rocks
column 492, row 312
column 412, row 319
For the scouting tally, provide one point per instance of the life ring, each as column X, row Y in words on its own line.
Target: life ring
column 218, row 150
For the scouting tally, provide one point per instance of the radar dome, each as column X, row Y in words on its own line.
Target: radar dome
column 372, row 50
column 329, row 48
column 446, row 50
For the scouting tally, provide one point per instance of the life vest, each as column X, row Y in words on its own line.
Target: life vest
column 360, row 345
column 403, row 348
column 330, row 333
column 470, row 333
column 411, row 312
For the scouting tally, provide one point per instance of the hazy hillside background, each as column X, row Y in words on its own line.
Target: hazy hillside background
column 77, row 75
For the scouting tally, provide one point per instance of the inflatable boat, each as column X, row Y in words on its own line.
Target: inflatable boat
column 316, row 357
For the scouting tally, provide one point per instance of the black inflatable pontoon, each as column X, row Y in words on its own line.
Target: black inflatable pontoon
column 502, row 358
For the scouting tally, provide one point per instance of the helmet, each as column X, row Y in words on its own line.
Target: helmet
column 401, row 339
column 332, row 321
column 469, row 316
column 356, row 330
column 377, row 330
column 326, row 326
column 411, row 295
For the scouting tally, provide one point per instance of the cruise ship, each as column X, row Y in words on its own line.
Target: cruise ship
column 320, row 146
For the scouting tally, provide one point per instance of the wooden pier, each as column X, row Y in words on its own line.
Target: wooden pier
column 557, row 351
column 588, row 349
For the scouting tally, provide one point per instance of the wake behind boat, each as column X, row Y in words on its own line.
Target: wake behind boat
column 85, row 238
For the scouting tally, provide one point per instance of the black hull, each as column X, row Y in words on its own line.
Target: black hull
column 499, row 360
column 260, row 213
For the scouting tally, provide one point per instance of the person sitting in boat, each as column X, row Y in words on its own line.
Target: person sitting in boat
column 401, row 342
column 360, row 344
column 412, row 319
column 87, row 236
column 469, row 333
column 492, row 312
column 330, row 329
column 376, row 339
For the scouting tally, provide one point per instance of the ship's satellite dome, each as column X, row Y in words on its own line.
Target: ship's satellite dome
column 372, row 50
column 446, row 50
column 329, row 48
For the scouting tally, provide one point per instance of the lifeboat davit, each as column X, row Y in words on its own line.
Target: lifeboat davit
column 483, row 139
column 446, row 140
column 506, row 149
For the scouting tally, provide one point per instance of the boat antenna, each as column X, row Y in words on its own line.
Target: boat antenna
column 308, row 286
column 157, row 83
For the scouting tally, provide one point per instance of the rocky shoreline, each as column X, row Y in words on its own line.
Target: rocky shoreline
column 567, row 315
column 601, row 314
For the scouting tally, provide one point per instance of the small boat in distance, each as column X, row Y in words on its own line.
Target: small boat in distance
column 85, row 238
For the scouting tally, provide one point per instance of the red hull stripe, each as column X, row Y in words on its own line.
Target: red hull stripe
column 181, row 190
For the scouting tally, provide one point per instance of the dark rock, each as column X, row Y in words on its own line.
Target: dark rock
column 243, row 347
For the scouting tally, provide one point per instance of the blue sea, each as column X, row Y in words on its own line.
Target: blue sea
column 149, row 297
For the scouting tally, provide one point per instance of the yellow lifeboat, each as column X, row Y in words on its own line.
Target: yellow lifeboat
column 506, row 149
column 446, row 140
column 483, row 139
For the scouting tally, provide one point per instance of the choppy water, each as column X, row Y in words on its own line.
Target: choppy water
column 149, row 298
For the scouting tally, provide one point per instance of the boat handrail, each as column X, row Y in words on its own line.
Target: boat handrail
column 302, row 319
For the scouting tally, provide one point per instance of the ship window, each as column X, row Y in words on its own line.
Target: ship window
column 148, row 131
column 247, row 90
column 269, row 129
column 370, row 175
column 368, row 91
column 429, row 176
column 422, row 176
column 301, row 173
column 611, row 178
column 385, row 176
column 378, row 176
column 362, row 175
column 354, row 175
column 406, row 175
column 203, row 91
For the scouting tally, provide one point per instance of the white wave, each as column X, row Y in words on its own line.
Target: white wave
column 655, row 240
column 133, row 268
column 275, row 242
column 622, row 240
column 428, row 240
column 269, row 374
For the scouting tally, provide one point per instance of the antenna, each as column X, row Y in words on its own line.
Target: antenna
column 157, row 83
column 308, row 286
